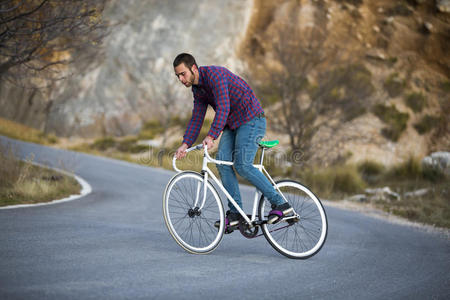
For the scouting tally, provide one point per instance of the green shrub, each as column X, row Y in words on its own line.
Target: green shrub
column 391, row 61
column 334, row 180
column 320, row 181
column 394, row 85
column 151, row 129
column 433, row 175
column 52, row 139
column 409, row 169
column 445, row 86
column 412, row 170
column 395, row 120
column 369, row 167
column 104, row 143
column 416, row 101
column 346, row 89
column 138, row 148
column 370, row 171
column 348, row 180
column 427, row 123
column 356, row 14
column 126, row 144
column 400, row 9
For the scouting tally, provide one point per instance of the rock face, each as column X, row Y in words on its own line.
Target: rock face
column 134, row 81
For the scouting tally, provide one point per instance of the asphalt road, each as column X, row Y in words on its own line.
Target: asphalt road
column 113, row 244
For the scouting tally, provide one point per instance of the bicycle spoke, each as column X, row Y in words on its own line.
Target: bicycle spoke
column 193, row 229
column 304, row 236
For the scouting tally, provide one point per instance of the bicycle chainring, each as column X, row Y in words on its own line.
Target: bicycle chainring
column 246, row 231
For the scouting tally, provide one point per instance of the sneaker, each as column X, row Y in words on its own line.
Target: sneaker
column 278, row 212
column 231, row 221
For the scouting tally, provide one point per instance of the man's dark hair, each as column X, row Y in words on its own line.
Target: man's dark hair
column 185, row 58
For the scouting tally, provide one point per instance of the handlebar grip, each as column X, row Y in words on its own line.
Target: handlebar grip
column 174, row 160
column 197, row 147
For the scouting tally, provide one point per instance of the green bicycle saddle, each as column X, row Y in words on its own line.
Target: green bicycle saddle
column 268, row 144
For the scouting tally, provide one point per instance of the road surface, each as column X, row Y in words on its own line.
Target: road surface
column 113, row 244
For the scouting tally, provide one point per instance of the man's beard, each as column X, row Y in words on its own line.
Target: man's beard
column 192, row 78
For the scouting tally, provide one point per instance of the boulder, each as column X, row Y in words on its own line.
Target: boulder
column 382, row 194
column 438, row 161
column 358, row 198
column 376, row 54
column 426, row 28
column 443, row 5
column 416, row 193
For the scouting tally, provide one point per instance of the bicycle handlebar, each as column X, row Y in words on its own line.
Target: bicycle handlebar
column 198, row 147
column 174, row 164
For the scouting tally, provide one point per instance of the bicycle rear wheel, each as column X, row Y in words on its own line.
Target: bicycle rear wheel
column 302, row 236
column 190, row 223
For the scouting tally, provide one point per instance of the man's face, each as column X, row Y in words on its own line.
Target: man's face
column 184, row 75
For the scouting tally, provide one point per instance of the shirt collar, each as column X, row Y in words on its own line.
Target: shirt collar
column 200, row 77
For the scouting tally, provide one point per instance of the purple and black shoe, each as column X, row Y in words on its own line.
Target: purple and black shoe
column 278, row 212
column 231, row 222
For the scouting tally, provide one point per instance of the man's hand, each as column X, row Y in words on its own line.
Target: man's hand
column 181, row 152
column 209, row 142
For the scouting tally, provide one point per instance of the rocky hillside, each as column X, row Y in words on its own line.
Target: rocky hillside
column 386, row 62
column 134, row 80
column 380, row 69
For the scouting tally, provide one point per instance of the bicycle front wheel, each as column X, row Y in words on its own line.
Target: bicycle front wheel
column 301, row 236
column 189, row 216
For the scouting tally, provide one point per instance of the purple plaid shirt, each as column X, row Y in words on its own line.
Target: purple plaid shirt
column 229, row 95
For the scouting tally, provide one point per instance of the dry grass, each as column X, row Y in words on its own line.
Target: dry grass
column 21, row 132
column 24, row 183
column 340, row 181
column 431, row 208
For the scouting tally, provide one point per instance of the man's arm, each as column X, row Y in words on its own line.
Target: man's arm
column 196, row 122
column 222, row 99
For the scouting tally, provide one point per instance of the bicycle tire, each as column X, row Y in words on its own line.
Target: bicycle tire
column 301, row 239
column 194, row 232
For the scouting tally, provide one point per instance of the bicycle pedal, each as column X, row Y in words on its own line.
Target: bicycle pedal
column 229, row 230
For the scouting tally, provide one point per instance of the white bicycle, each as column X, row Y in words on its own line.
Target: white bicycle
column 191, row 207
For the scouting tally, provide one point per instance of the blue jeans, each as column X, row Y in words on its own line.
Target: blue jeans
column 240, row 146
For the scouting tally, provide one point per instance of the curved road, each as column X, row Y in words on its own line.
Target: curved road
column 113, row 244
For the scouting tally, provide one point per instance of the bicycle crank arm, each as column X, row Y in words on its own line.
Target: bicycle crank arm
column 260, row 222
column 290, row 218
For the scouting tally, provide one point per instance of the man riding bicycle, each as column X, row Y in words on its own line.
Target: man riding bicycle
column 240, row 118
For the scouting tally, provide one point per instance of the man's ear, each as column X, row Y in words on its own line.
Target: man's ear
column 194, row 68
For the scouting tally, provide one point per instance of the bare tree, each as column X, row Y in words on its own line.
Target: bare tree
column 298, row 51
column 40, row 37
column 313, row 89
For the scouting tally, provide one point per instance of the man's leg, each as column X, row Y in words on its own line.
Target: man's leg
column 227, row 174
column 247, row 138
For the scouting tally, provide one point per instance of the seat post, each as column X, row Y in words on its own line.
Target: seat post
column 262, row 155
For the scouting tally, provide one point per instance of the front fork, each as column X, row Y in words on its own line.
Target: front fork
column 201, row 191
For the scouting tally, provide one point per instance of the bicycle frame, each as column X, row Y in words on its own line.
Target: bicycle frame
column 207, row 172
